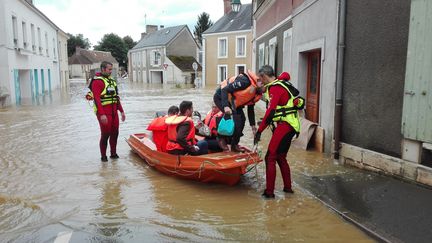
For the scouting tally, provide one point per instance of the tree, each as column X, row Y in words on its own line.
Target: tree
column 114, row 44
column 202, row 25
column 76, row 40
column 130, row 43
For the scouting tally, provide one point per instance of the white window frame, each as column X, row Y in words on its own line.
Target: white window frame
column 133, row 59
column 287, row 50
column 153, row 58
column 261, row 57
column 40, row 40
column 33, row 37
column 54, row 49
column 226, row 47
column 237, row 46
column 143, row 61
column 236, row 68
column 25, row 36
column 219, row 80
column 15, row 30
column 272, row 52
column 46, row 44
column 266, row 55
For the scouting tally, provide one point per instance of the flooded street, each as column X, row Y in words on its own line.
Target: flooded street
column 52, row 181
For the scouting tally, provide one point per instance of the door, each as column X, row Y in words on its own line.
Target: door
column 313, row 86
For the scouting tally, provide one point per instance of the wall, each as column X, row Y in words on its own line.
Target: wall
column 272, row 13
column 211, row 55
column 278, row 33
column 375, row 59
column 182, row 45
column 315, row 27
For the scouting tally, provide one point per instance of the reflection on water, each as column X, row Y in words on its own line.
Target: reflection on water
column 52, row 180
column 112, row 210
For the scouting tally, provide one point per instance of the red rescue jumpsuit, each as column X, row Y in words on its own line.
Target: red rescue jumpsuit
column 111, row 129
column 280, row 141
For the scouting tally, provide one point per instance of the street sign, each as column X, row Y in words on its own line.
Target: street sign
column 165, row 65
column 195, row 66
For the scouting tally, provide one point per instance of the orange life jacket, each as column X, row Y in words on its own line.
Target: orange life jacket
column 173, row 122
column 160, row 134
column 246, row 96
column 210, row 121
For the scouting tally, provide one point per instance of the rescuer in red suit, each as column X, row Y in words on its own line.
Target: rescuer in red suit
column 107, row 104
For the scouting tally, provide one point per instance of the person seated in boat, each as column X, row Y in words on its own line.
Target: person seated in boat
column 160, row 130
column 209, row 127
column 181, row 133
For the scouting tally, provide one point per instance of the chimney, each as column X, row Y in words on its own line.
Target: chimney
column 143, row 34
column 161, row 26
column 151, row 28
column 227, row 6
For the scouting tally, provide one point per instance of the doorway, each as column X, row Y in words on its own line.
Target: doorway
column 313, row 85
column 156, row 77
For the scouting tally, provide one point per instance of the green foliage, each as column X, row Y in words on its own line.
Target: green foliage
column 202, row 25
column 77, row 40
column 114, row 44
column 178, row 86
column 130, row 43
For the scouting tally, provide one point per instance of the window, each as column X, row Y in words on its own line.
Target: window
column 155, row 58
column 54, row 49
column 222, row 73
column 266, row 55
column 46, row 44
column 143, row 56
column 133, row 59
column 261, row 55
column 241, row 46
column 272, row 52
column 222, row 47
column 286, row 66
column 60, row 51
column 139, row 59
column 33, row 37
column 39, row 40
column 239, row 69
column 24, row 30
column 15, row 30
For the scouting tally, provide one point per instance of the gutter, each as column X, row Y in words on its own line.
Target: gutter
column 339, row 78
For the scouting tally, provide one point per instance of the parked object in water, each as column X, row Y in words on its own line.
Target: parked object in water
column 225, row 168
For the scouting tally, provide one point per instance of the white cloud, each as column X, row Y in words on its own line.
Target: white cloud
column 94, row 18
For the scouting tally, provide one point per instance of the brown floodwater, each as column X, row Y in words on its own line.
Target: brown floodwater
column 53, row 185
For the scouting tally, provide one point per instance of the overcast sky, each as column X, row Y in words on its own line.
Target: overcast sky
column 94, row 18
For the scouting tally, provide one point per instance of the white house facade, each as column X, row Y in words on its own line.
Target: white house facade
column 29, row 55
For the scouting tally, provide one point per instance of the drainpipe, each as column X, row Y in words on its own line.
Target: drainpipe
column 339, row 78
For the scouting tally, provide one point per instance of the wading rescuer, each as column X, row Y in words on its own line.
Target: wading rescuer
column 106, row 104
column 282, row 109
column 231, row 97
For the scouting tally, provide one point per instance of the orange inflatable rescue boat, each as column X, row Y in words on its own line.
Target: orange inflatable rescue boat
column 222, row 167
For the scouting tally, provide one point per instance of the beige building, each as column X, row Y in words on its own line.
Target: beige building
column 62, row 38
column 228, row 45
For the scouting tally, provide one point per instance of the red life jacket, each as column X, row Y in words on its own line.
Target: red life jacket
column 173, row 122
column 248, row 96
column 160, row 134
column 210, row 121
